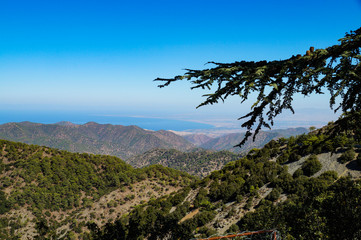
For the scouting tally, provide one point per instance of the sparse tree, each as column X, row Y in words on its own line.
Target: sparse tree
column 347, row 156
column 336, row 69
column 358, row 159
column 311, row 166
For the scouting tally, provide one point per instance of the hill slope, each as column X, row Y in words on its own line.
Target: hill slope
column 228, row 141
column 116, row 140
column 197, row 139
column 56, row 193
column 199, row 163
column 306, row 187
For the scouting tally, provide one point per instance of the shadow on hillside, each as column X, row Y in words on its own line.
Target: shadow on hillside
column 353, row 165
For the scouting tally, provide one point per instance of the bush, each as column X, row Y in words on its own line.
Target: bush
column 347, row 156
column 294, row 157
column 233, row 229
column 329, row 176
column 297, row 173
column 205, row 232
column 283, row 158
column 328, row 147
column 239, row 198
column 311, row 166
column 249, row 203
column 4, row 204
column 358, row 159
column 274, row 195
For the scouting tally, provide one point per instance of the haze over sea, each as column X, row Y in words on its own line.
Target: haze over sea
column 153, row 123
column 84, row 117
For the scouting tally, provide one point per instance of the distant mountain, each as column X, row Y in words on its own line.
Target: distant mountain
column 198, row 139
column 199, row 163
column 116, row 140
column 65, row 123
column 228, row 141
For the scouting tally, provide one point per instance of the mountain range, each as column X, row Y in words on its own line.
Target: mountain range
column 115, row 140
column 127, row 141
column 228, row 141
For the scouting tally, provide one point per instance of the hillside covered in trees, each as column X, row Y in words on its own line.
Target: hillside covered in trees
column 198, row 163
column 306, row 187
column 52, row 193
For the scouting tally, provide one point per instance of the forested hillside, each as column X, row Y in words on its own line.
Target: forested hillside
column 51, row 193
column 199, row 163
column 306, row 187
column 115, row 140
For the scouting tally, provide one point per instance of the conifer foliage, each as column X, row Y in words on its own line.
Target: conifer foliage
column 336, row 69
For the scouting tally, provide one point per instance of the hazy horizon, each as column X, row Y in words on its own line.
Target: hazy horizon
column 226, row 124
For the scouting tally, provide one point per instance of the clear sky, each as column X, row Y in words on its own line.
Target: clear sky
column 102, row 56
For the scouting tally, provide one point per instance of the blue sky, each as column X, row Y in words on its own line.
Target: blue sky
column 101, row 57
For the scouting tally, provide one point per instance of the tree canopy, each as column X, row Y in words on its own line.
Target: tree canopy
column 336, row 69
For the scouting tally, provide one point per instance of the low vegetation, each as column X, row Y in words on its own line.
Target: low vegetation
column 53, row 185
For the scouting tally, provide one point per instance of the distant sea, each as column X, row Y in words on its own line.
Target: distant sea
column 83, row 117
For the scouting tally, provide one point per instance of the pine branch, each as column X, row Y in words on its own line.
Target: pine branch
column 336, row 68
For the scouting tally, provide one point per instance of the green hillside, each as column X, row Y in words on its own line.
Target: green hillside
column 47, row 192
column 198, row 163
column 306, row 187
column 115, row 140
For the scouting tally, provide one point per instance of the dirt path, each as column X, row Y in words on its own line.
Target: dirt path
column 189, row 215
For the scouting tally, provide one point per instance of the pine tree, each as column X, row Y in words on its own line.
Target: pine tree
column 336, row 69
